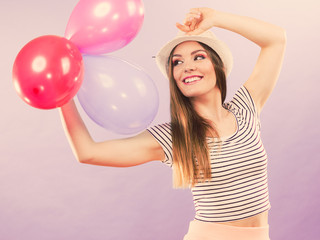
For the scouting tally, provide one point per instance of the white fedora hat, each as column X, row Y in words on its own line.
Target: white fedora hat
column 207, row 38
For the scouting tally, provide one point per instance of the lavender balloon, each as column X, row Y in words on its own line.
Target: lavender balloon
column 118, row 95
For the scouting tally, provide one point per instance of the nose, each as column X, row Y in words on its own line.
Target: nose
column 189, row 67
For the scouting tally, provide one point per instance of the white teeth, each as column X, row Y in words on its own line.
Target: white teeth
column 192, row 79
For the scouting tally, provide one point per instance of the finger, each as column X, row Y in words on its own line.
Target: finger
column 195, row 15
column 195, row 11
column 192, row 22
column 187, row 22
column 192, row 16
column 193, row 25
column 183, row 28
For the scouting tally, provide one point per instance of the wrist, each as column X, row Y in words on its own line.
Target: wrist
column 216, row 18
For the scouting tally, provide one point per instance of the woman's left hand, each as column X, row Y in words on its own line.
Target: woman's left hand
column 197, row 21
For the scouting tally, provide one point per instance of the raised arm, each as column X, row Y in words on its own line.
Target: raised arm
column 115, row 153
column 270, row 38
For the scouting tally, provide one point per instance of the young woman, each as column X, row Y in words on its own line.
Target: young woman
column 213, row 147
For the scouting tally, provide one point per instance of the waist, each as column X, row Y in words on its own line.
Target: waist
column 247, row 214
column 209, row 230
column 259, row 220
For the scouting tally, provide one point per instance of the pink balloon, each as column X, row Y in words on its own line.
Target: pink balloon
column 48, row 72
column 103, row 26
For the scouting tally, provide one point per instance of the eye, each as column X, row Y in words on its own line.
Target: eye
column 176, row 62
column 199, row 57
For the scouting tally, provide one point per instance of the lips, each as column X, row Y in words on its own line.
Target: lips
column 191, row 79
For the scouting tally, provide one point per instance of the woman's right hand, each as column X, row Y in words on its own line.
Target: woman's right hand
column 126, row 152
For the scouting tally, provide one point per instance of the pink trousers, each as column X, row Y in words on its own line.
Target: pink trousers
column 214, row 231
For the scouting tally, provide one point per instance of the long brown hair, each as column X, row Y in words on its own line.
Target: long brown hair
column 191, row 162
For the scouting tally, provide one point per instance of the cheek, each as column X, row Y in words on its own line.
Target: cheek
column 175, row 74
column 177, row 77
column 211, row 72
column 179, row 85
column 209, row 66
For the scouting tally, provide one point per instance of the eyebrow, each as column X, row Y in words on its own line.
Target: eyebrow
column 194, row 52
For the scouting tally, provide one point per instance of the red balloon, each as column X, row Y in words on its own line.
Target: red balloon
column 48, row 72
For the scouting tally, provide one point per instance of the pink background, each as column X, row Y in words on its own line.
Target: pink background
column 45, row 194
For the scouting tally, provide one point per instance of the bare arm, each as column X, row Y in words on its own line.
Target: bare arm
column 270, row 38
column 116, row 153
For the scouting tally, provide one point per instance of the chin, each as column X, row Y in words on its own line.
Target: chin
column 193, row 94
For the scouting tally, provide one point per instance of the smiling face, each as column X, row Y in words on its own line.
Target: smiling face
column 193, row 69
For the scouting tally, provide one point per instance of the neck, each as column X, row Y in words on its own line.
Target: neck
column 209, row 106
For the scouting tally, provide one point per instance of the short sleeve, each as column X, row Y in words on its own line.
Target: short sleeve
column 242, row 101
column 246, row 96
column 162, row 133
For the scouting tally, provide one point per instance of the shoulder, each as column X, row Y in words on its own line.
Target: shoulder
column 242, row 100
column 162, row 133
column 161, row 130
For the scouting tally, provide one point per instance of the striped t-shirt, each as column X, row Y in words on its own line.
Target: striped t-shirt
column 239, row 187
